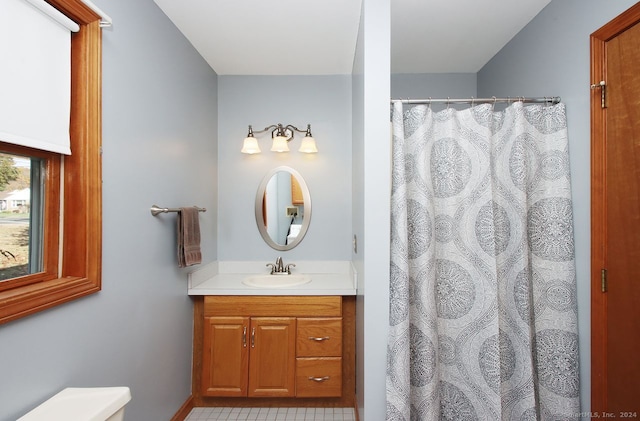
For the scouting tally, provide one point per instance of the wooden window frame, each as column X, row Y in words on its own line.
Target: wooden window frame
column 80, row 246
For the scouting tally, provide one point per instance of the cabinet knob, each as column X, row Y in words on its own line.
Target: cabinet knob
column 244, row 337
column 318, row 339
column 319, row 379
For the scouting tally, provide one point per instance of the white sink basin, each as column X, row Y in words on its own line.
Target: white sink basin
column 276, row 281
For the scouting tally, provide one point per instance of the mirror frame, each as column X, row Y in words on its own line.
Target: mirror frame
column 306, row 220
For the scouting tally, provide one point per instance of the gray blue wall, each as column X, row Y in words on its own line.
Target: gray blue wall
column 357, row 198
column 434, row 85
column 371, row 198
column 550, row 56
column 160, row 135
column 325, row 103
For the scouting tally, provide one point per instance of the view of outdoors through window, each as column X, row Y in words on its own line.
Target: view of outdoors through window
column 16, row 186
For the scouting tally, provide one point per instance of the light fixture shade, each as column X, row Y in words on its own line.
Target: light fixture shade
column 280, row 144
column 308, row 145
column 250, row 145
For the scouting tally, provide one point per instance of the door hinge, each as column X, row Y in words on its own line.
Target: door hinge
column 603, row 280
column 603, row 92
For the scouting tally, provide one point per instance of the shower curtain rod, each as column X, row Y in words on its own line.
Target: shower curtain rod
column 492, row 100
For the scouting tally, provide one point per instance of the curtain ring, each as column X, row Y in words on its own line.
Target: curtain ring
column 429, row 103
column 472, row 101
column 493, row 107
column 448, row 103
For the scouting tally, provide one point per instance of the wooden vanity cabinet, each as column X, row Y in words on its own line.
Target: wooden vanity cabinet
column 272, row 346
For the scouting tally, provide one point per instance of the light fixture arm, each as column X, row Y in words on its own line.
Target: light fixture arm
column 251, row 131
column 291, row 126
column 279, row 130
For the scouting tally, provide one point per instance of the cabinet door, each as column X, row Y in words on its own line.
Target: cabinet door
column 272, row 357
column 225, row 356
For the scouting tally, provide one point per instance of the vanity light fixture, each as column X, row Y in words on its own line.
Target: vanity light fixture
column 281, row 136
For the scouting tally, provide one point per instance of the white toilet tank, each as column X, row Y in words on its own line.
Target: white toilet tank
column 82, row 404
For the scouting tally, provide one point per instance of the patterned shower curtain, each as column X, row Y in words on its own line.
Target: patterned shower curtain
column 483, row 318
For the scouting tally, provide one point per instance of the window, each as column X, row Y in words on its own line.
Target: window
column 26, row 184
column 67, row 239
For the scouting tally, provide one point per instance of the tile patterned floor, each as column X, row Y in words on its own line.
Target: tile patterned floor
column 272, row 414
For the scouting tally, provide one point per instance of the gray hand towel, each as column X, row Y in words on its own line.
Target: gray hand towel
column 189, row 237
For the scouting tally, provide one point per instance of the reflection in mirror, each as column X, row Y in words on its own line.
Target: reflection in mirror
column 283, row 208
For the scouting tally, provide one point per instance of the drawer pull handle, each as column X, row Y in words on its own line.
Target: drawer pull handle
column 317, row 339
column 319, row 379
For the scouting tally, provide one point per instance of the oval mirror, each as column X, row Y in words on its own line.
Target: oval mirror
column 283, row 208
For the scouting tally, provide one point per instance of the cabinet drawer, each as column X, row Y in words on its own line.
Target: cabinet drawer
column 319, row 337
column 273, row 306
column 319, row 377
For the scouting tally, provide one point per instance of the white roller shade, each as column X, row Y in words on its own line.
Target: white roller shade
column 35, row 75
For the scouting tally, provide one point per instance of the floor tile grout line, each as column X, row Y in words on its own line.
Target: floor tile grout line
column 270, row 414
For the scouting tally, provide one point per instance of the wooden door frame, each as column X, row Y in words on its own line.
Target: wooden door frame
column 599, row 41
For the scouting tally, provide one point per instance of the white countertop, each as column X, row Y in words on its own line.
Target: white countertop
column 225, row 278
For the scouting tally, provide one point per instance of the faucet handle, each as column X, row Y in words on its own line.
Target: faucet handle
column 273, row 267
column 288, row 267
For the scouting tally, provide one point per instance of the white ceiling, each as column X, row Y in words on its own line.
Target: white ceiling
column 306, row 37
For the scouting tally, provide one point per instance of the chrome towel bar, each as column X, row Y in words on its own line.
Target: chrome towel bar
column 155, row 210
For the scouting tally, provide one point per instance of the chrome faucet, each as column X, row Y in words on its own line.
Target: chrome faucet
column 279, row 268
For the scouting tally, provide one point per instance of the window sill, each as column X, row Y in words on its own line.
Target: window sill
column 22, row 301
